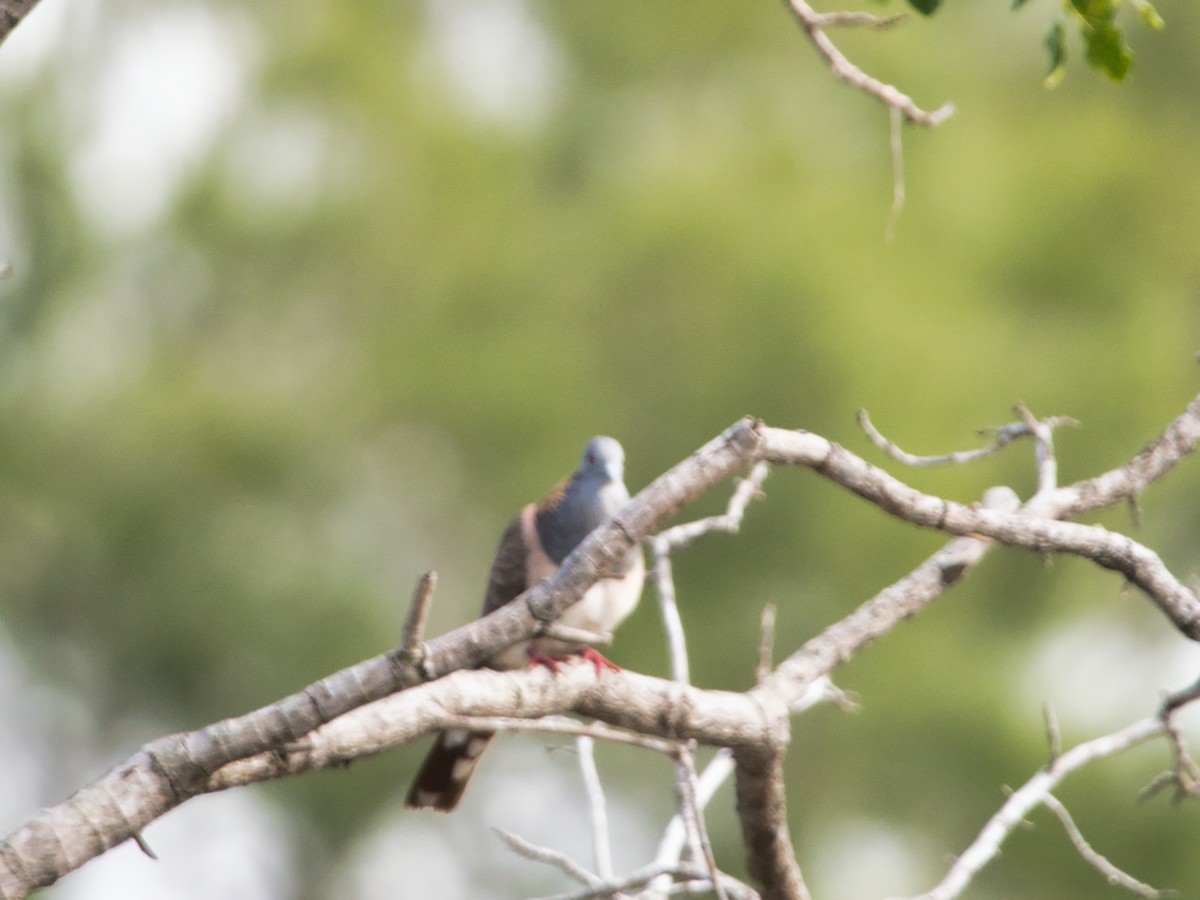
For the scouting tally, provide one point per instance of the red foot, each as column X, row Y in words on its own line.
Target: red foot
column 552, row 663
column 540, row 659
column 598, row 660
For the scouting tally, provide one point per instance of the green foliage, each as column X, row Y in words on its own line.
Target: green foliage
column 1106, row 46
column 1056, row 46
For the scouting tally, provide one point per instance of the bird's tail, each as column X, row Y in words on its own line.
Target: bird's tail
column 443, row 776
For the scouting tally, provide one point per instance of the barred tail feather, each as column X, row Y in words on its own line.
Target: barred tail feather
column 443, row 776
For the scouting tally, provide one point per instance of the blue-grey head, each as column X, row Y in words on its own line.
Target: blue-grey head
column 604, row 459
column 589, row 498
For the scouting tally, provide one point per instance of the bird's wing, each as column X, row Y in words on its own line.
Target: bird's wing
column 508, row 577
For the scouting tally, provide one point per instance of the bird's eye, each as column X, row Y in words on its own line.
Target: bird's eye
column 591, row 459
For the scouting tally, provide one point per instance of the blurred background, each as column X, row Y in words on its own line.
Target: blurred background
column 310, row 298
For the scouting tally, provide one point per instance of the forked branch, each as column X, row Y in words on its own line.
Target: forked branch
column 388, row 700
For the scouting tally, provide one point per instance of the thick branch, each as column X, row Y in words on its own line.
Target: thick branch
column 168, row 771
column 627, row 700
column 762, row 811
column 1038, row 532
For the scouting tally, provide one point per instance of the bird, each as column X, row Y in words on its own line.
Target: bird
column 532, row 548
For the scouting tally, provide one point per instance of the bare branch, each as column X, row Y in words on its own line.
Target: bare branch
column 814, row 24
column 1053, row 735
column 601, row 850
column 749, row 488
column 1140, row 565
column 343, row 717
column 670, row 848
column 1111, row 873
column 1184, row 776
column 904, row 598
column 681, row 536
column 762, row 812
column 553, row 724
column 766, row 644
column 689, row 808
column 418, row 615
column 550, row 857
column 691, row 876
column 1043, row 432
column 664, row 582
column 1126, row 482
column 1004, row 436
column 867, row 20
column 1034, row 792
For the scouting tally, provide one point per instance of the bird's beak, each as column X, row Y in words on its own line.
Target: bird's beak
column 615, row 470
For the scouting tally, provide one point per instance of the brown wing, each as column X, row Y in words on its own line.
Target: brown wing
column 508, row 578
column 552, row 499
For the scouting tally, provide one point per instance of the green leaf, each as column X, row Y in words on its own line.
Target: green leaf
column 1097, row 13
column 1056, row 46
column 1148, row 14
column 925, row 7
column 1107, row 51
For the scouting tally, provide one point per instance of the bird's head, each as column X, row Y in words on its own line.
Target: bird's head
column 603, row 459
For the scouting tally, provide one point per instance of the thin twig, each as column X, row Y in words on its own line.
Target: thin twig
column 601, row 850
column 564, row 726
column 1186, row 774
column 678, row 537
column 1181, row 698
column 823, row 690
column 813, row 24
column 546, row 855
column 749, row 488
column 1004, row 436
column 843, row 18
column 664, row 581
column 691, row 876
column 1043, row 434
column 418, row 615
column 690, row 806
column 1053, row 734
column 766, row 645
column 1012, row 813
column 670, row 847
column 1111, row 873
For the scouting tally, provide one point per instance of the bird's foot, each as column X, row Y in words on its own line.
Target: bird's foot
column 552, row 663
column 541, row 659
column 597, row 659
